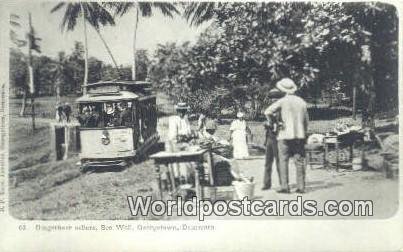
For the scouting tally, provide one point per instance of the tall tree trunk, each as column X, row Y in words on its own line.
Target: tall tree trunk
column 58, row 84
column 33, row 111
column 134, row 42
column 253, row 110
column 24, row 102
column 85, row 50
column 31, row 72
column 354, row 101
column 108, row 50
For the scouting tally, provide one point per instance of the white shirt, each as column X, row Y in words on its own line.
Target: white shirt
column 294, row 115
column 178, row 126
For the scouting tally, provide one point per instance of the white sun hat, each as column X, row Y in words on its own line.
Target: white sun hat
column 287, row 86
column 182, row 106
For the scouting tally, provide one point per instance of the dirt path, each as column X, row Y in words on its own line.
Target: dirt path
column 323, row 185
column 103, row 195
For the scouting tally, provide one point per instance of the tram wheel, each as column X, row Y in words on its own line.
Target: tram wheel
column 83, row 169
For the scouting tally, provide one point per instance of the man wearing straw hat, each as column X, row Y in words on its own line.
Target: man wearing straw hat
column 179, row 126
column 292, row 134
column 179, row 132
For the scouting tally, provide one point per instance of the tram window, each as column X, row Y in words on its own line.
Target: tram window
column 118, row 114
column 89, row 115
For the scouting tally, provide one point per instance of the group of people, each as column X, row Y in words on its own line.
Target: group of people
column 111, row 116
column 286, row 131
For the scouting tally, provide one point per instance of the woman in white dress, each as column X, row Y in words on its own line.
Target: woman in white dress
column 239, row 131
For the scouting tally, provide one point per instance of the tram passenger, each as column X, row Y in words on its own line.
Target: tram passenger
column 111, row 115
column 125, row 117
column 67, row 111
column 96, row 116
column 87, row 118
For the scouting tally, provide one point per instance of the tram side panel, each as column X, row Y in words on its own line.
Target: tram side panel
column 107, row 143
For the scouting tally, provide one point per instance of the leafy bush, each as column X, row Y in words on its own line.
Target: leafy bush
column 252, row 45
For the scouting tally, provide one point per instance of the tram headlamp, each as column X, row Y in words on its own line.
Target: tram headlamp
column 105, row 138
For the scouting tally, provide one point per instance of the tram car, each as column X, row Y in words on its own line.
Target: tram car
column 118, row 122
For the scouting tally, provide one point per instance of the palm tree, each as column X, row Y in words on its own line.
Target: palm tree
column 146, row 10
column 92, row 12
column 15, row 24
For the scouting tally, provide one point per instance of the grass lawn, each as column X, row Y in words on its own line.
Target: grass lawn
column 45, row 107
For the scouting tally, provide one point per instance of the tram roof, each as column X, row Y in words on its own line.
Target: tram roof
column 119, row 83
column 108, row 97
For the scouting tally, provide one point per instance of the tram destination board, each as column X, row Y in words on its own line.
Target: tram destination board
column 104, row 89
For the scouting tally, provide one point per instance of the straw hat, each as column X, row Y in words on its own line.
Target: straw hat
column 182, row 106
column 240, row 115
column 287, row 86
column 275, row 93
column 109, row 109
column 86, row 109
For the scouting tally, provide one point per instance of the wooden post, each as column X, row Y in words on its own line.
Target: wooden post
column 337, row 154
column 159, row 182
column 53, row 145
column 210, row 167
column 197, row 184
column 66, row 141
column 33, row 111
column 70, row 141
column 354, row 102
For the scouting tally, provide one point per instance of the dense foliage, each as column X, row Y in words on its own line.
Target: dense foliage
column 250, row 46
column 66, row 70
column 325, row 47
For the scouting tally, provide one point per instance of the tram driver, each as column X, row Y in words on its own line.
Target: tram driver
column 125, row 116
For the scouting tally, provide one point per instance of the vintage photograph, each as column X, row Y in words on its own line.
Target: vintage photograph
column 203, row 110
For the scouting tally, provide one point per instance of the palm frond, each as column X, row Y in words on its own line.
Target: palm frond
column 119, row 8
column 97, row 15
column 69, row 20
column 198, row 13
column 145, row 9
column 57, row 7
column 167, row 9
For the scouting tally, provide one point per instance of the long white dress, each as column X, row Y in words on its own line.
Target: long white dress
column 238, row 129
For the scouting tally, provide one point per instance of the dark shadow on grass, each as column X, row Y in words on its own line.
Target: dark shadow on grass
column 90, row 170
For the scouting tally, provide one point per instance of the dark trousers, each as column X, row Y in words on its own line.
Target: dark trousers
column 271, row 155
column 292, row 148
